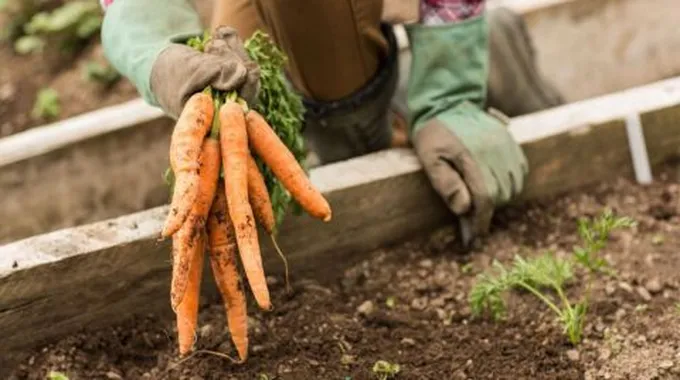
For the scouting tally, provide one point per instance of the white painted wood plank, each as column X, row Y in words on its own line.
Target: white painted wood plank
column 597, row 110
column 41, row 140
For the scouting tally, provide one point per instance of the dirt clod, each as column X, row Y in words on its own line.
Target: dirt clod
column 654, row 285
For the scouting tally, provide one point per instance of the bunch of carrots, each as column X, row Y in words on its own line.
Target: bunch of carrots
column 220, row 197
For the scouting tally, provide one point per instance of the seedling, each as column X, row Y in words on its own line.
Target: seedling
column 16, row 13
column 548, row 274
column 54, row 375
column 101, row 73
column 467, row 268
column 390, row 302
column 69, row 25
column 595, row 235
column 534, row 275
column 385, row 370
column 47, row 104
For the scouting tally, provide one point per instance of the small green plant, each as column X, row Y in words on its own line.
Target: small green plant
column 534, row 275
column 47, row 104
column 467, row 268
column 54, row 375
column 101, row 73
column 70, row 25
column 15, row 14
column 385, row 370
column 595, row 235
column 390, row 302
column 546, row 277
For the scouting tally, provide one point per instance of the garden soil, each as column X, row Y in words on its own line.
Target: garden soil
column 408, row 305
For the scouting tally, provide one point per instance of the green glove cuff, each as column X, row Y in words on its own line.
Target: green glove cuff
column 449, row 66
column 135, row 32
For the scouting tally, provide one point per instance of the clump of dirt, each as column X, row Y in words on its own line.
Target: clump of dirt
column 408, row 305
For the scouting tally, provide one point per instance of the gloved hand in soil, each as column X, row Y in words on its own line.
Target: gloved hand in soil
column 469, row 156
column 144, row 40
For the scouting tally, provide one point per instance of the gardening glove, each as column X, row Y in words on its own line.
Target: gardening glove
column 145, row 41
column 469, row 156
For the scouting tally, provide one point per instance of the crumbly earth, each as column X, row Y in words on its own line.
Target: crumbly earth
column 408, row 305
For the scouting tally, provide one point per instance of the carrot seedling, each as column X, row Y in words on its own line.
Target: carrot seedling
column 595, row 234
column 546, row 277
column 55, row 375
column 385, row 370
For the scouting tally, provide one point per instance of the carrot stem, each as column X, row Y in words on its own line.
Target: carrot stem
column 215, row 129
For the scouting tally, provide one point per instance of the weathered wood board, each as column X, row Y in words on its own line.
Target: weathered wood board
column 97, row 274
column 589, row 48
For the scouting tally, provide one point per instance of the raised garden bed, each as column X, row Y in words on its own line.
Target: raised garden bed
column 88, row 159
column 407, row 304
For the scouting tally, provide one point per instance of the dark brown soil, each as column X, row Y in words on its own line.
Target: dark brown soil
column 339, row 328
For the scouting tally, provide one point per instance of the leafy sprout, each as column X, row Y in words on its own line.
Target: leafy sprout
column 595, row 234
column 101, row 73
column 546, row 277
column 54, row 375
column 385, row 370
column 47, row 104
column 71, row 24
column 18, row 13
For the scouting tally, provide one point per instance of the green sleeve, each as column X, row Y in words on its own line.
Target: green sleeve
column 135, row 32
column 449, row 67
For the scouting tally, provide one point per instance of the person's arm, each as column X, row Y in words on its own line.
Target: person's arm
column 469, row 156
column 144, row 40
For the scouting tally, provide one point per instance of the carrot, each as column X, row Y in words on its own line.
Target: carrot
column 185, row 148
column 187, row 310
column 223, row 254
column 262, row 207
column 258, row 195
column 234, row 141
column 276, row 155
column 209, row 161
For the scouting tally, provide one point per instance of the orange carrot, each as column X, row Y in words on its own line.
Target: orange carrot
column 187, row 310
column 258, row 195
column 223, row 255
column 276, row 155
column 209, row 177
column 185, row 147
column 262, row 207
column 234, row 140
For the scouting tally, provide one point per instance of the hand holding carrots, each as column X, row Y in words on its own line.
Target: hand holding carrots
column 222, row 192
column 222, row 214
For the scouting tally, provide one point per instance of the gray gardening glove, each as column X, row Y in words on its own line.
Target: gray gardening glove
column 144, row 41
column 180, row 71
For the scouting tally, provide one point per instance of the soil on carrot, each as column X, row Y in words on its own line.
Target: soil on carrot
column 407, row 305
